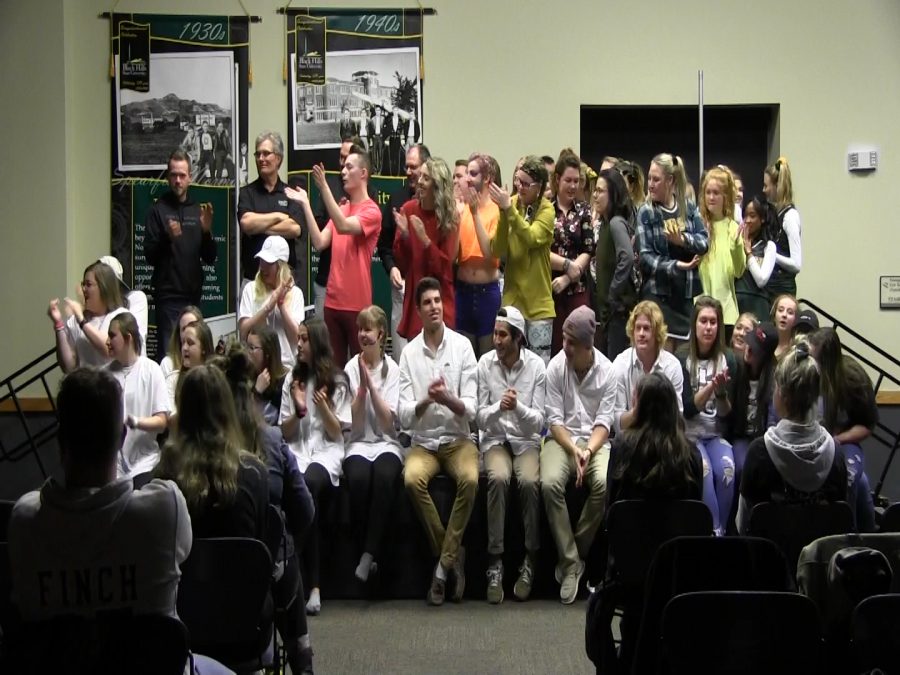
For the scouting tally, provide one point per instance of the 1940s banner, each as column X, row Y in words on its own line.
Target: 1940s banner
column 180, row 82
column 354, row 74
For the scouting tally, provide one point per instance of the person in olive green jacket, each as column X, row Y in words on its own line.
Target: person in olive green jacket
column 522, row 240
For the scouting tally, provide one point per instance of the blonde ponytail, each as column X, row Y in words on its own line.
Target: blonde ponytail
column 779, row 174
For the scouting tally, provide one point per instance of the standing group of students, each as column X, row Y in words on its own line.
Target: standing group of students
column 541, row 328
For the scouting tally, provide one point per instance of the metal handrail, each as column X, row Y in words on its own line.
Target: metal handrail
column 882, row 433
column 34, row 439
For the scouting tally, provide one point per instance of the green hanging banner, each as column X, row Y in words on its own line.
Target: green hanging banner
column 353, row 74
column 180, row 82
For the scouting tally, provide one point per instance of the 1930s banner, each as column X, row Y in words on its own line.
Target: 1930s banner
column 180, row 82
column 353, row 74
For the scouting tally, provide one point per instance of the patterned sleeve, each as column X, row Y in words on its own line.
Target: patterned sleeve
column 696, row 237
column 588, row 242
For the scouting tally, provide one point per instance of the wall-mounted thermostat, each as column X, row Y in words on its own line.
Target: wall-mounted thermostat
column 862, row 160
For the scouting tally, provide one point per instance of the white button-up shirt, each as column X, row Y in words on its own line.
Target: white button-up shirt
column 522, row 426
column 453, row 360
column 627, row 370
column 580, row 406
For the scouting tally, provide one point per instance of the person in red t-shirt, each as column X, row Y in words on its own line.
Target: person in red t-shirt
column 351, row 234
column 426, row 241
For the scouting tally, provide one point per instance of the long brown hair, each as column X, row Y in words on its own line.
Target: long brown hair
column 271, row 349
column 322, row 369
column 656, row 439
column 107, row 285
column 204, row 452
column 840, row 375
column 238, row 370
column 718, row 348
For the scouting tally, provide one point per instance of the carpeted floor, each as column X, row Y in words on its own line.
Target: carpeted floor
column 407, row 636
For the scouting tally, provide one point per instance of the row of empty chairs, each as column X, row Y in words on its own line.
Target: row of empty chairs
column 693, row 603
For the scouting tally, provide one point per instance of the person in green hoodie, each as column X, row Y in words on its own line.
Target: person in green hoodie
column 522, row 240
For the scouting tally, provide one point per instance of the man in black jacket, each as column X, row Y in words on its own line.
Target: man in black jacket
column 177, row 241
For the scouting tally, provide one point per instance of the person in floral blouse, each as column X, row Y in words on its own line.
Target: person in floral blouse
column 572, row 246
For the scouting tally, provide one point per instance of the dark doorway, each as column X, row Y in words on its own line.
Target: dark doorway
column 744, row 137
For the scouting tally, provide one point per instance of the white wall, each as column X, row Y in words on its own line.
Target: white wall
column 36, row 223
column 508, row 77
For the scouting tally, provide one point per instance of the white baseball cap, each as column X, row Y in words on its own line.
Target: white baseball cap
column 514, row 318
column 274, row 248
column 113, row 263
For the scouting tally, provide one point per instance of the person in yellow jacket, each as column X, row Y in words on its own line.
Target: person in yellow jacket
column 725, row 261
column 522, row 240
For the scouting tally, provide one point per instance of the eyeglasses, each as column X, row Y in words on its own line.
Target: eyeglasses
column 527, row 186
column 263, row 154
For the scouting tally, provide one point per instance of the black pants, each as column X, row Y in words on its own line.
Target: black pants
column 289, row 597
column 373, row 487
column 616, row 337
column 319, row 483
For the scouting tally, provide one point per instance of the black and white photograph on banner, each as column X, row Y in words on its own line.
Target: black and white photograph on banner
column 189, row 105
column 373, row 94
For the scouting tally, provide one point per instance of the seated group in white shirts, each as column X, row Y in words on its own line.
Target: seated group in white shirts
column 346, row 425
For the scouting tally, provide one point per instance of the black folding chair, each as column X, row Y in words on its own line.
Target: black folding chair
column 225, row 600
column 740, row 632
column 275, row 542
column 875, row 634
column 793, row 526
column 636, row 529
column 890, row 520
column 7, row 612
column 114, row 643
column 6, row 508
column 689, row 564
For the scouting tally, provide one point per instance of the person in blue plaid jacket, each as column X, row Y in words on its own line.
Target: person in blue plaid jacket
column 672, row 240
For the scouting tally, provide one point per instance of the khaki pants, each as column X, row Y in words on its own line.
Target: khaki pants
column 556, row 468
column 499, row 464
column 459, row 460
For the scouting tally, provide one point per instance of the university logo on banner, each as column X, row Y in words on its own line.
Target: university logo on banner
column 134, row 56
column 310, row 49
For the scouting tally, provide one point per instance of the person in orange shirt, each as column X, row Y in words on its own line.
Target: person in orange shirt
column 478, row 273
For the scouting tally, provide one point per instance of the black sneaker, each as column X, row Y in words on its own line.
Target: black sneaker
column 522, row 589
column 436, row 591
column 302, row 662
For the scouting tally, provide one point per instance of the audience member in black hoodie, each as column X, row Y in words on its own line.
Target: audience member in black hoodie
column 796, row 460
